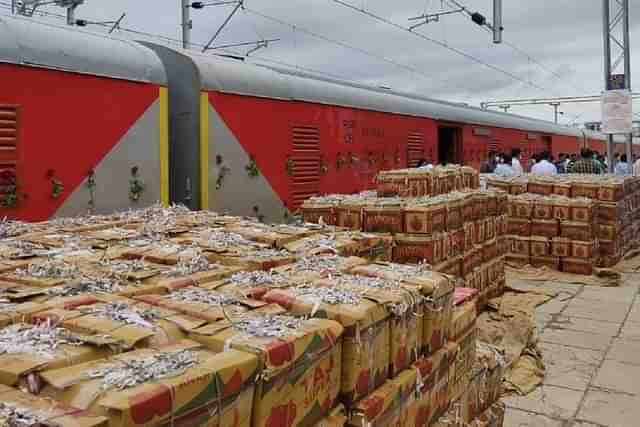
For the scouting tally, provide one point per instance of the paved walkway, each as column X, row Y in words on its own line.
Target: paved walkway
column 590, row 338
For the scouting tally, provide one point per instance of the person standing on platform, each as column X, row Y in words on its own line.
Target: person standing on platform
column 544, row 166
column 505, row 168
column 489, row 165
column 622, row 167
column 585, row 164
column 515, row 161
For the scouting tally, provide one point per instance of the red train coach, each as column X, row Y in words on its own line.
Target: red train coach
column 83, row 121
column 266, row 138
column 84, row 117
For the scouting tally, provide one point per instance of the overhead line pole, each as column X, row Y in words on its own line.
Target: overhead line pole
column 187, row 24
column 611, row 29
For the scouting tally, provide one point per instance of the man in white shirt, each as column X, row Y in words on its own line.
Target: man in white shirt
column 544, row 166
column 515, row 162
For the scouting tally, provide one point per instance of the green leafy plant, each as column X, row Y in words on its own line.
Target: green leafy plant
column 91, row 186
column 252, row 168
column 9, row 180
column 136, row 186
column 57, row 188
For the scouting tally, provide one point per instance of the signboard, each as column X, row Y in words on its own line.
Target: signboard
column 617, row 112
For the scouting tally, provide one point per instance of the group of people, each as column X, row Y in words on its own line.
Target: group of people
column 588, row 162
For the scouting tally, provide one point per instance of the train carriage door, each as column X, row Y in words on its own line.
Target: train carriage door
column 449, row 145
column 546, row 143
column 303, row 164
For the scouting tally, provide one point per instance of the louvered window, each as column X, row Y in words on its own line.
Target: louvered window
column 415, row 149
column 8, row 146
column 305, row 164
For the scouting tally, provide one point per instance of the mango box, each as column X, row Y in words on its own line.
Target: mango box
column 436, row 287
column 51, row 412
column 276, row 236
column 319, row 267
column 216, row 392
column 388, row 405
column 25, row 369
column 444, row 386
column 348, row 243
column 168, row 252
column 253, row 259
column 404, row 302
column 299, row 374
column 23, row 277
column 337, row 418
column 421, row 410
column 465, row 360
column 438, row 315
column 253, row 284
column 417, row 275
column 139, row 273
column 366, row 340
column 194, row 302
column 152, row 326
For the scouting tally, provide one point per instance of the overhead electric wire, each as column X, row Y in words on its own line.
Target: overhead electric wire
column 530, row 57
column 348, row 46
column 439, row 43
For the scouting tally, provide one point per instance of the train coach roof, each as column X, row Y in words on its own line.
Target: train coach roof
column 236, row 77
column 27, row 42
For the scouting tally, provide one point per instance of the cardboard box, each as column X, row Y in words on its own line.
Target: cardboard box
column 545, row 228
column 438, row 317
column 388, row 405
column 47, row 411
column 425, row 218
column 366, row 340
column 560, row 247
column 321, row 266
column 562, row 189
column 348, row 243
column 416, row 249
column 101, row 315
column 315, row 213
column 540, row 246
column 540, row 187
column 518, row 226
column 276, row 236
column 543, row 209
column 61, row 272
column 217, row 391
column 254, row 284
column 577, row 230
column 25, row 368
column 521, row 246
column 577, row 266
column 206, row 304
column 337, row 418
column 421, row 410
column 300, row 371
column 383, row 218
column 585, row 250
column 405, row 303
column 582, row 211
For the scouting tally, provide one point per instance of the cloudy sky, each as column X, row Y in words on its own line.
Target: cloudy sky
column 555, row 46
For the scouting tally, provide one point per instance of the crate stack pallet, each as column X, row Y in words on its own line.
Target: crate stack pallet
column 166, row 316
column 571, row 223
column 450, row 225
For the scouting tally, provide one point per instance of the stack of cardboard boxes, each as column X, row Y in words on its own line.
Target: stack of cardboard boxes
column 165, row 316
column 571, row 222
column 459, row 233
